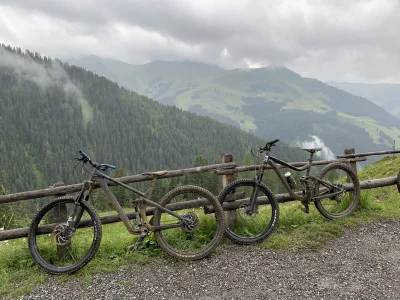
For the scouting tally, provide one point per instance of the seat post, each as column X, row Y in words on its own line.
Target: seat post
column 309, row 163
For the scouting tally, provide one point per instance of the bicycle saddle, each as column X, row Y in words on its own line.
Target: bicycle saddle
column 313, row 150
column 158, row 173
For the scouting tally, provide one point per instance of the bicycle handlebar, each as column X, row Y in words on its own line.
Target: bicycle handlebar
column 268, row 145
column 85, row 158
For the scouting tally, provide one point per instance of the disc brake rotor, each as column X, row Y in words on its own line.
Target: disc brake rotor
column 61, row 234
column 245, row 212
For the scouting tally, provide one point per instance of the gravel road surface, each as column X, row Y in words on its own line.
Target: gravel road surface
column 362, row 264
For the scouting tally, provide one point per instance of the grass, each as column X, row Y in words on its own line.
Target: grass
column 373, row 127
column 20, row 274
column 296, row 230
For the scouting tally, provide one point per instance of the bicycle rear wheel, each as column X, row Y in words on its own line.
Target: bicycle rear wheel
column 251, row 226
column 59, row 248
column 202, row 226
column 343, row 204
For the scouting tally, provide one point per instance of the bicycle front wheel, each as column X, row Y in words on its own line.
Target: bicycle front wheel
column 255, row 223
column 398, row 182
column 338, row 176
column 200, row 227
column 58, row 247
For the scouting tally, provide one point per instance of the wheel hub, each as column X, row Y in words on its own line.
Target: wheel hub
column 338, row 197
column 190, row 221
column 246, row 211
column 61, row 234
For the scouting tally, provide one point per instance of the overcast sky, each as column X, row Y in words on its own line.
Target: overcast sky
column 341, row 40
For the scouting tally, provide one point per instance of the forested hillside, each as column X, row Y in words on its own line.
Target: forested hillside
column 50, row 110
column 267, row 101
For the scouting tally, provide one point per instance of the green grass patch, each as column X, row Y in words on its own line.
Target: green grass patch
column 20, row 274
column 296, row 230
column 299, row 230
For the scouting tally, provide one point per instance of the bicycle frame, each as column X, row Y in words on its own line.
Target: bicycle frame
column 273, row 161
column 101, row 178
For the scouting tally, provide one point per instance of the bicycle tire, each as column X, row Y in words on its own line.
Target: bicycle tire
column 264, row 225
column 208, row 229
column 353, row 199
column 398, row 182
column 45, row 251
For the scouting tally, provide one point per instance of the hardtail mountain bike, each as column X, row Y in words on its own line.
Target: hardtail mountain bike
column 335, row 191
column 188, row 222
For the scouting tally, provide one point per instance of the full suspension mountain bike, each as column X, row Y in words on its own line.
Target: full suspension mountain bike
column 335, row 191
column 188, row 222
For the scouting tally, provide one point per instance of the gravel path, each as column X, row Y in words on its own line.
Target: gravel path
column 362, row 264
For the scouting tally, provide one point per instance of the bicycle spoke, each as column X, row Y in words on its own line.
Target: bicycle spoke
column 57, row 247
column 340, row 201
column 199, row 232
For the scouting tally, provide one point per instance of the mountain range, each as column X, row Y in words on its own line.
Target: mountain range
column 50, row 110
column 269, row 102
column 385, row 95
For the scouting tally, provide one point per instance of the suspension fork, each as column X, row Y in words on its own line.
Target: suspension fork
column 78, row 210
column 257, row 181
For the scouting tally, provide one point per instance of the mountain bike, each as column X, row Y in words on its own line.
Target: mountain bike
column 335, row 192
column 188, row 222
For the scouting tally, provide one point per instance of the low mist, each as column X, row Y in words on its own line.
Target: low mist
column 317, row 142
column 43, row 75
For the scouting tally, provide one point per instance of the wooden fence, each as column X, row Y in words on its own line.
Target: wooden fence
column 227, row 169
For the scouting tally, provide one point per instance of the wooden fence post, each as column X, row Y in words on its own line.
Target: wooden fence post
column 226, row 179
column 60, row 216
column 352, row 165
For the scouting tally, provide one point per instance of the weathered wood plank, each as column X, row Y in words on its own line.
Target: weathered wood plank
column 68, row 189
column 295, row 164
column 369, row 153
column 230, row 216
column 281, row 198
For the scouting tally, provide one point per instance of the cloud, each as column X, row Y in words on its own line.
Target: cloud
column 43, row 76
column 326, row 152
column 329, row 40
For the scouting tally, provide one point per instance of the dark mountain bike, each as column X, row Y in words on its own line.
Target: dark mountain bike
column 335, row 192
column 188, row 222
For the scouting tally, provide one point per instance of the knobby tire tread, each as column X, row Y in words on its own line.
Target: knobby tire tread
column 274, row 205
column 355, row 200
column 398, row 182
column 219, row 216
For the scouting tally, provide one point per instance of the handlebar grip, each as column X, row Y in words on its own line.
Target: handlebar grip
column 274, row 141
column 84, row 155
column 112, row 166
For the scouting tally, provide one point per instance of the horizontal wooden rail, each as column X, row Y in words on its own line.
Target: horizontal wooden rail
column 369, row 154
column 68, row 189
column 295, row 164
column 281, row 198
column 220, row 169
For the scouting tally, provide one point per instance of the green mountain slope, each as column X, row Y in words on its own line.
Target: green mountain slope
column 383, row 94
column 50, row 110
column 271, row 102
